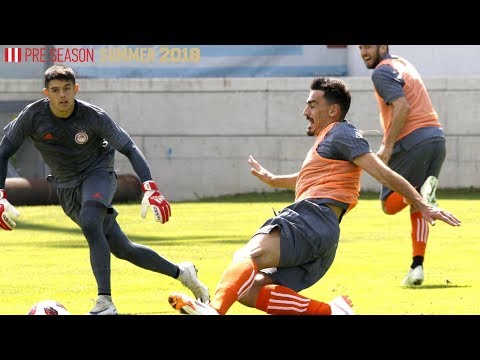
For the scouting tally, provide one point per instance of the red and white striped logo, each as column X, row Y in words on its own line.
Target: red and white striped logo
column 13, row 55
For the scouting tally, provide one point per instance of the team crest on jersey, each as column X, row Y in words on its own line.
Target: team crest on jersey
column 81, row 138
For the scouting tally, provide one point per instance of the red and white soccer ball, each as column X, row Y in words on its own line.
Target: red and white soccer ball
column 48, row 307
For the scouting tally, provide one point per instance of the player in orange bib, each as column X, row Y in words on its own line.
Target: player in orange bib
column 413, row 142
column 294, row 249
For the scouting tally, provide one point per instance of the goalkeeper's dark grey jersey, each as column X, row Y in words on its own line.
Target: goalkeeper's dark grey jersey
column 73, row 146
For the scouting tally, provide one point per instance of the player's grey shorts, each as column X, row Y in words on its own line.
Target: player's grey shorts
column 309, row 234
column 99, row 187
column 417, row 163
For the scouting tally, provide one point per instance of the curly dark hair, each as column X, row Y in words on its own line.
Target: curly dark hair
column 336, row 92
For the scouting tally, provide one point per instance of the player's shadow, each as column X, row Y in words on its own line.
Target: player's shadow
column 435, row 286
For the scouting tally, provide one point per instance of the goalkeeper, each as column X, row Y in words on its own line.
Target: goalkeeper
column 77, row 140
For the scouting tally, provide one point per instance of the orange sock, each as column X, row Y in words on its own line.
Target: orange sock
column 395, row 203
column 236, row 280
column 420, row 232
column 280, row 300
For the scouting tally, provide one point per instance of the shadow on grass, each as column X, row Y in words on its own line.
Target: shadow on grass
column 435, row 286
column 147, row 239
column 50, row 227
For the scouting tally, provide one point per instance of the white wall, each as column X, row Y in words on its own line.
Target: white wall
column 198, row 133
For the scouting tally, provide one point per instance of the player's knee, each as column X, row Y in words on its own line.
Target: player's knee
column 389, row 210
column 91, row 218
column 241, row 253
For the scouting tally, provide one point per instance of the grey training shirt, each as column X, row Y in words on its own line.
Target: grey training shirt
column 72, row 146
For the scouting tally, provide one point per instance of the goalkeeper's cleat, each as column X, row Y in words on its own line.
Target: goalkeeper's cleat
column 104, row 306
column 188, row 277
column 428, row 190
column 341, row 305
column 414, row 277
column 188, row 306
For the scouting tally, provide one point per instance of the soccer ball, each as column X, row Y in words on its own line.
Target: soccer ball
column 48, row 307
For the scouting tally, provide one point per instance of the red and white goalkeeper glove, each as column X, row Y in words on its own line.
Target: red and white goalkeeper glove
column 154, row 199
column 8, row 214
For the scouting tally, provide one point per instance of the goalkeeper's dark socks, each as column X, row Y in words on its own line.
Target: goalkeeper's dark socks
column 417, row 261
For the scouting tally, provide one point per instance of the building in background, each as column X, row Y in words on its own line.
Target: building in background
column 146, row 61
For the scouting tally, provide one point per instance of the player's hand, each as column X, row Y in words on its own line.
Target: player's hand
column 8, row 213
column 259, row 171
column 154, row 199
column 433, row 213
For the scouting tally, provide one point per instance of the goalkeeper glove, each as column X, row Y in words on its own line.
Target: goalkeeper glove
column 8, row 214
column 154, row 199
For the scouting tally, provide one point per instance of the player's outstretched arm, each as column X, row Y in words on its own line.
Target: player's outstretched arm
column 277, row 181
column 372, row 164
column 8, row 213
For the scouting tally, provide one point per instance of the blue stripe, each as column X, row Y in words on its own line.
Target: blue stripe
column 249, row 50
column 236, row 71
